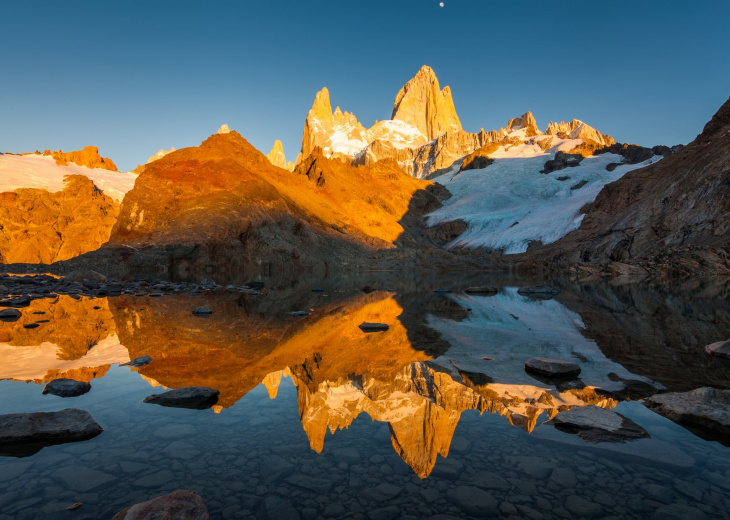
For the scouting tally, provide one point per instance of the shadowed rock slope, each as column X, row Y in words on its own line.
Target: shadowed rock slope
column 224, row 206
column 672, row 216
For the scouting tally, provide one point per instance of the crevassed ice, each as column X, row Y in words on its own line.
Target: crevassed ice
column 510, row 204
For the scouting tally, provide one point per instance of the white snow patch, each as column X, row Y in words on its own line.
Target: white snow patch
column 42, row 172
column 510, row 204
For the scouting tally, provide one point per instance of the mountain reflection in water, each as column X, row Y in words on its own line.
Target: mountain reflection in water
column 443, row 354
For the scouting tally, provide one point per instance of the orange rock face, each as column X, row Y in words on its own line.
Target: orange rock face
column 88, row 157
column 42, row 227
column 422, row 103
column 227, row 198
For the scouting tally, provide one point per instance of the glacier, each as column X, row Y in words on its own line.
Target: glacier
column 510, row 204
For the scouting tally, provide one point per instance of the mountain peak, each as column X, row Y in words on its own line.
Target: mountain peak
column 526, row 121
column 277, row 158
column 421, row 103
column 321, row 108
column 224, row 129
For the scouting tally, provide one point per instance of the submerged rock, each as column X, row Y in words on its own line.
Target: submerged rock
column 10, row 315
column 180, row 505
column 85, row 275
column 720, row 349
column 552, row 367
column 373, row 327
column 706, row 409
column 482, row 291
column 66, row 388
column 138, row 362
column 202, row 311
column 541, row 292
column 23, row 434
column 299, row 314
column 195, row 397
column 595, row 424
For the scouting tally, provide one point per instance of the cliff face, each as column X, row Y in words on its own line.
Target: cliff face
column 670, row 216
column 37, row 226
column 421, row 103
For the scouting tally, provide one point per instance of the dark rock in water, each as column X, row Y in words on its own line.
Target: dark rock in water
column 31, row 326
column 299, row 314
column 66, row 388
column 484, row 291
column 180, row 505
column 24, row 434
column 442, row 291
column 10, row 315
column 552, row 367
column 203, row 311
column 595, row 424
column 317, row 290
column 367, row 289
column 20, row 301
column 540, row 292
column 706, row 411
column 373, row 327
column 138, row 362
column 255, row 285
column 720, row 349
column 195, row 397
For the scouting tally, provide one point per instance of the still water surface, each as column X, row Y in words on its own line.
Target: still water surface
column 434, row 418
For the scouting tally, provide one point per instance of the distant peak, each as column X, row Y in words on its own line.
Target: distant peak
column 421, row 103
column 224, row 129
column 525, row 121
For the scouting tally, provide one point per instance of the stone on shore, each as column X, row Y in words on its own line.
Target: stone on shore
column 66, row 388
column 539, row 292
column 180, row 505
column 594, row 424
column 705, row 408
column 23, row 434
column 194, row 397
column 10, row 315
column 202, row 311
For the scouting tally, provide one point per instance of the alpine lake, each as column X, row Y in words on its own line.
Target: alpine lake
column 434, row 418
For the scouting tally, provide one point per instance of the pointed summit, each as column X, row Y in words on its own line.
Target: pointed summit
column 276, row 155
column 526, row 121
column 421, row 103
column 224, row 129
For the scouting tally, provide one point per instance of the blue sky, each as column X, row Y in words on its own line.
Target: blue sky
column 135, row 76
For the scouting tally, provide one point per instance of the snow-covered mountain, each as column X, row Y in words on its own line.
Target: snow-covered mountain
column 507, row 203
column 424, row 134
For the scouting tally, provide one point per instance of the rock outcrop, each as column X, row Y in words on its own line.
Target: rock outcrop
column 704, row 409
column 38, row 226
column 88, row 156
column 672, row 216
column 422, row 104
column 577, row 129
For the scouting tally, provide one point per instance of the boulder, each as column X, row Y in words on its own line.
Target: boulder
column 548, row 367
column 705, row 409
column 539, row 292
column 10, row 315
column 138, row 362
column 23, row 434
column 561, row 161
column 20, row 301
column 720, row 349
column 373, row 327
column 595, row 424
column 194, row 397
column 180, row 505
column 66, row 388
column 202, row 311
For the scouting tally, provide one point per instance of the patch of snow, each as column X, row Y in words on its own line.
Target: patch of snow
column 42, row 172
column 510, row 204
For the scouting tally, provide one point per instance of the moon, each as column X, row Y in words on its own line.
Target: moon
column 441, row 4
